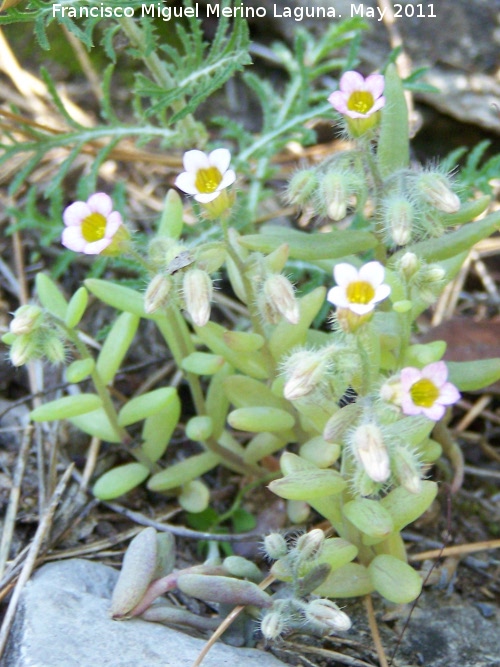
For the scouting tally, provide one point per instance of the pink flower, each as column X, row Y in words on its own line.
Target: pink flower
column 206, row 175
column 427, row 391
column 358, row 97
column 92, row 226
column 358, row 291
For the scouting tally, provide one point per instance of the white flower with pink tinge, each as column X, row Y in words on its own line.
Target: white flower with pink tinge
column 358, row 291
column 358, row 97
column 427, row 391
column 206, row 175
column 91, row 225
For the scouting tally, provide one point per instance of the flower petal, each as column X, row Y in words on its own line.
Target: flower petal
column 206, row 198
column 351, row 81
column 375, row 84
column 75, row 213
column 195, row 160
column 337, row 297
column 96, row 247
column 435, row 412
column 100, row 203
column 345, row 273
column 448, row 394
column 437, row 372
column 185, row 182
column 338, row 100
column 220, row 158
column 377, row 105
column 72, row 239
column 373, row 273
column 409, row 376
column 361, row 308
column 113, row 223
column 381, row 293
column 409, row 407
column 227, row 180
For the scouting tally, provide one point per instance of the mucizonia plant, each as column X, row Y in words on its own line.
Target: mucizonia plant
column 357, row 411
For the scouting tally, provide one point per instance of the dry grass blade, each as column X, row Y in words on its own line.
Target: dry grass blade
column 226, row 623
column 457, row 550
column 40, row 535
column 340, row 658
column 15, row 494
column 372, row 622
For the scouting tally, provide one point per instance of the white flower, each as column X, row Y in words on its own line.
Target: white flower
column 427, row 391
column 92, row 225
column 206, row 175
column 358, row 291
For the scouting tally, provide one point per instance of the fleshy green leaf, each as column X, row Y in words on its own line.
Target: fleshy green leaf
column 66, row 407
column 393, row 151
column 120, row 480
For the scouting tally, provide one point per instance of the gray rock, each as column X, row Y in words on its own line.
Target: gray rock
column 63, row 621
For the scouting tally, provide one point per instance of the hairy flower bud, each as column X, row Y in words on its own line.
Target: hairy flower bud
column 310, row 544
column 327, row 614
column 157, row 293
column 278, row 299
column 272, row 625
column 409, row 264
column 335, row 191
column 23, row 349
column 407, row 470
column 370, row 450
column 398, row 219
column 301, row 187
column 304, row 371
column 26, row 319
column 435, row 189
column 275, row 546
column 198, row 289
column 52, row 348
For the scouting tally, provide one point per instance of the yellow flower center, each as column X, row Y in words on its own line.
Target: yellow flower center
column 94, row 227
column 424, row 393
column 360, row 101
column 208, row 180
column 360, row 292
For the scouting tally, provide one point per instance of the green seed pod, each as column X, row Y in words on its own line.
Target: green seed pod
column 185, row 471
column 120, row 297
column 261, row 445
column 120, row 480
column 199, row 428
column 369, row 517
column 194, row 497
column 319, row 452
column 214, row 588
column 202, row 363
column 171, row 221
column 76, row 307
column 66, row 407
column 240, row 567
column 349, row 581
column 242, row 341
column 116, row 346
column 394, row 579
column 147, row 404
column 51, row 296
column 137, row 571
column 258, row 419
column 308, row 485
column 405, row 506
column 79, row 370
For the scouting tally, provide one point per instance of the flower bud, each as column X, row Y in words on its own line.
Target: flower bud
column 435, row 189
column 301, row 187
column 370, row 450
column 53, row 348
column 304, row 371
column 406, row 468
column 409, row 264
column 272, row 625
column 23, row 349
column 310, row 544
column 326, row 613
column 26, row 319
column 198, row 289
column 335, row 190
column 398, row 219
column 278, row 298
column 275, row 546
column 157, row 293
